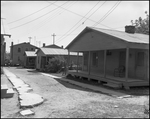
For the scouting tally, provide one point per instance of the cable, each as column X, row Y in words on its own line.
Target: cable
column 47, row 19
column 94, row 12
column 51, row 18
column 110, row 11
column 31, row 14
column 37, row 18
column 81, row 19
column 79, row 15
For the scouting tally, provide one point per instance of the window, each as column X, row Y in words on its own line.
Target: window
column 85, row 58
column 32, row 49
column 19, row 49
column 95, row 59
column 18, row 58
column 26, row 49
column 140, row 59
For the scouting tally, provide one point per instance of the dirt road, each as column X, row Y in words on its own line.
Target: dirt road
column 64, row 100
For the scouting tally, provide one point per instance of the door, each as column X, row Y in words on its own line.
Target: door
column 122, row 58
column 140, row 65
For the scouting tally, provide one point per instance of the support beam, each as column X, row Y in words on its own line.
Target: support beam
column 105, row 53
column 77, row 61
column 148, row 65
column 69, row 64
column 89, row 64
column 127, row 63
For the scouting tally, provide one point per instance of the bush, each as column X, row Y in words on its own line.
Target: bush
column 54, row 65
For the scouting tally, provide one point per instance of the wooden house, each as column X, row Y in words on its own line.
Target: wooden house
column 112, row 57
column 44, row 54
column 17, row 52
column 29, row 59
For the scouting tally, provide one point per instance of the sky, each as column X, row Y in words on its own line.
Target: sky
column 37, row 21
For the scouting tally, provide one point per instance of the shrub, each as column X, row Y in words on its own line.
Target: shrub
column 54, row 65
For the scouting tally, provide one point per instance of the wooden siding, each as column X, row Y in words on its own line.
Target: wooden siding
column 96, row 41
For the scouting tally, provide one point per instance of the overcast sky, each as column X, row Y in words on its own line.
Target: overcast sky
column 40, row 19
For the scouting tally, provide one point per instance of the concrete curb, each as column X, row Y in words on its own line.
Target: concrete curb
column 88, row 86
column 30, row 99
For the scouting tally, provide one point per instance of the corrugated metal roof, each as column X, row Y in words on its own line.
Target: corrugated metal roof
column 30, row 53
column 134, row 38
column 56, row 51
column 4, row 27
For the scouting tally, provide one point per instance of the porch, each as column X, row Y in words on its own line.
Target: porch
column 109, row 79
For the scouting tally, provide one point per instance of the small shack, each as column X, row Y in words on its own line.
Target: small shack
column 30, row 59
column 44, row 54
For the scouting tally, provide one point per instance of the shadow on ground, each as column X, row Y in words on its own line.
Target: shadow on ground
column 72, row 86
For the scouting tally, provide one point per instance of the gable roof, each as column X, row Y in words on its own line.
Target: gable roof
column 4, row 28
column 53, row 46
column 25, row 43
column 122, row 36
column 56, row 51
column 30, row 53
column 53, row 51
column 129, row 37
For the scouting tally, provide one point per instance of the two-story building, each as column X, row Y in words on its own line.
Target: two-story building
column 17, row 52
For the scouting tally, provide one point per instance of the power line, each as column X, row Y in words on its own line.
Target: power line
column 37, row 18
column 79, row 15
column 47, row 19
column 110, row 11
column 31, row 14
column 53, row 17
column 94, row 11
column 81, row 19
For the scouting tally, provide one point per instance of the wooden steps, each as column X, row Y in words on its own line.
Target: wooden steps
column 6, row 92
column 113, row 85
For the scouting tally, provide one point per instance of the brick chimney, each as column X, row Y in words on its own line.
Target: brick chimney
column 12, row 43
column 130, row 29
column 43, row 44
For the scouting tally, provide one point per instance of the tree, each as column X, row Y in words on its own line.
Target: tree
column 141, row 25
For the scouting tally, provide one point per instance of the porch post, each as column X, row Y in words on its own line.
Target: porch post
column 148, row 65
column 77, row 61
column 68, row 58
column 46, row 60
column 105, row 52
column 127, row 62
column 89, row 66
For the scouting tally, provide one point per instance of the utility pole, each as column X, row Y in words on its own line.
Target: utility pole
column 39, row 43
column 53, row 38
column 35, row 40
column 30, row 39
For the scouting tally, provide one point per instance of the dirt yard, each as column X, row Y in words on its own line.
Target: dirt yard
column 64, row 100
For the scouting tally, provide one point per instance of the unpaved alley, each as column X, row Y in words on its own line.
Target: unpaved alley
column 64, row 100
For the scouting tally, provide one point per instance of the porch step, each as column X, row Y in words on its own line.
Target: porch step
column 4, row 89
column 10, row 93
column 6, row 92
column 140, row 83
column 112, row 85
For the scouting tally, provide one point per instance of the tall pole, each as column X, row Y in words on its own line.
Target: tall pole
column 35, row 40
column 30, row 39
column 53, row 38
